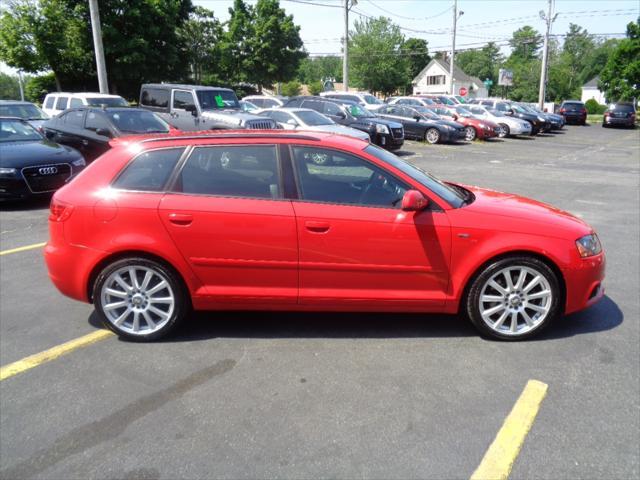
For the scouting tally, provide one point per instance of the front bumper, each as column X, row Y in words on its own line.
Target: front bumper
column 14, row 188
column 386, row 140
column 584, row 282
column 521, row 129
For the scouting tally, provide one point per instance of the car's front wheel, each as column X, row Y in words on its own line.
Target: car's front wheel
column 139, row 299
column 469, row 134
column 504, row 130
column 432, row 135
column 514, row 298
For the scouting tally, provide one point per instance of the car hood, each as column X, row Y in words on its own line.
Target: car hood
column 23, row 154
column 522, row 211
column 380, row 120
column 238, row 115
column 339, row 129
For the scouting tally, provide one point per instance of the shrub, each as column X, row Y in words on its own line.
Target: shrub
column 594, row 108
column 291, row 89
column 315, row 88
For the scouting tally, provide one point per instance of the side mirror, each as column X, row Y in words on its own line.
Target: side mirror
column 414, row 201
column 455, row 116
column 417, row 118
column 104, row 132
column 341, row 115
column 192, row 109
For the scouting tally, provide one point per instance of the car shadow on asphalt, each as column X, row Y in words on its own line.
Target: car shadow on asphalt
column 265, row 324
column 24, row 205
column 523, row 137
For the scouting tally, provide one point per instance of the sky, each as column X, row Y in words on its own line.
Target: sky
column 322, row 25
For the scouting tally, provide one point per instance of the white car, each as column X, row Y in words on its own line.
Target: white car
column 412, row 101
column 265, row 101
column 364, row 99
column 54, row 103
column 307, row 119
column 510, row 125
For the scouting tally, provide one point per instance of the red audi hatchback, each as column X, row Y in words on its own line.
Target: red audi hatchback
column 307, row 221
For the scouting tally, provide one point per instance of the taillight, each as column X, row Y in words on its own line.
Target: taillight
column 562, row 110
column 606, row 114
column 59, row 211
column 583, row 111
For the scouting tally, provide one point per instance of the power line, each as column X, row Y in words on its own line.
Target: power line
column 408, row 18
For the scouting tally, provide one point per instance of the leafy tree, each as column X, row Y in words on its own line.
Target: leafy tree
column 417, row 52
column 525, row 63
column 36, row 88
column 373, row 50
column 525, row 44
column 620, row 78
column 316, row 68
column 9, row 87
column 597, row 58
column 315, row 87
column 276, row 48
column 291, row 89
column 483, row 63
column 200, row 35
column 577, row 45
column 235, row 47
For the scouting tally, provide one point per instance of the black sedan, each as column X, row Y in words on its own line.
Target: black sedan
column 421, row 124
column 31, row 165
column 89, row 129
column 621, row 114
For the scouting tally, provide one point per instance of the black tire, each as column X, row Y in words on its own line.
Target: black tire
column 505, row 129
column 480, row 282
column 175, row 313
column 432, row 136
column 470, row 133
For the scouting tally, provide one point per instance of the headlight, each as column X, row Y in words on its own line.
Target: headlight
column 382, row 128
column 79, row 162
column 8, row 171
column 589, row 245
column 540, row 118
column 485, row 126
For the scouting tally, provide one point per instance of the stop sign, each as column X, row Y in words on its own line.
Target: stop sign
column 463, row 91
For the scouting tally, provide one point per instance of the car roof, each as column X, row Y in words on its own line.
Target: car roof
column 184, row 86
column 324, row 99
column 84, row 94
column 14, row 102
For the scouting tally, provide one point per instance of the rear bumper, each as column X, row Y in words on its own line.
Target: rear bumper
column 625, row 122
column 575, row 117
column 584, row 280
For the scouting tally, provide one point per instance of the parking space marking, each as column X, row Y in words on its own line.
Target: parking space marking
column 32, row 361
column 502, row 453
column 22, row 249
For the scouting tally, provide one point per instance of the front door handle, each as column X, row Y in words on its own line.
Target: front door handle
column 182, row 219
column 317, row 227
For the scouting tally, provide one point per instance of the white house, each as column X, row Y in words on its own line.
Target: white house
column 590, row 90
column 434, row 79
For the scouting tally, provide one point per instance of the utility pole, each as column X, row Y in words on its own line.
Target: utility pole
column 549, row 18
column 21, row 85
column 456, row 15
column 345, row 58
column 97, row 46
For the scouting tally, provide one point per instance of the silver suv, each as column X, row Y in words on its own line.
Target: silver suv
column 194, row 107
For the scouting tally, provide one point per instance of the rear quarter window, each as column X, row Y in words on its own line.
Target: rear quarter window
column 48, row 103
column 155, row 97
column 149, row 171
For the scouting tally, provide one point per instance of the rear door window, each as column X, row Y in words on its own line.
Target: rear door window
column 231, row 171
column 95, row 121
column 48, row 103
column 61, row 104
column 331, row 109
column 183, row 99
column 149, row 171
column 155, row 97
column 75, row 102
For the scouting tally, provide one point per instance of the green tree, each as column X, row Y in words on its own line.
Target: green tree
column 235, row 45
column 313, row 69
column 315, row 87
column 275, row 47
column 374, row 47
column 620, row 78
column 9, row 87
column 417, row 52
column 575, row 53
column 483, row 63
column 291, row 89
column 525, row 44
column 200, row 35
column 36, row 88
column 525, row 63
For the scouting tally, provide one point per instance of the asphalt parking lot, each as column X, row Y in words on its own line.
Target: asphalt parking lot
column 297, row 395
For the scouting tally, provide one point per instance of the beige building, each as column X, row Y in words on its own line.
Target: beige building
column 434, row 79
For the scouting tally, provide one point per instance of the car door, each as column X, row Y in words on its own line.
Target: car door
column 227, row 214
column 97, row 134
column 357, row 247
column 412, row 127
column 69, row 130
column 183, row 107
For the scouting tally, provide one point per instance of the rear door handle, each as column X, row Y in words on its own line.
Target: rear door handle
column 317, row 227
column 182, row 219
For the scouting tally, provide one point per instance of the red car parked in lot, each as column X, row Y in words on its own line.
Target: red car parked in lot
column 307, row 221
column 474, row 127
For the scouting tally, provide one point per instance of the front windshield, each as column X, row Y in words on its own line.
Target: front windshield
column 444, row 191
column 217, row 99
column 248, row 106
column 313, row 119
column 476, row 110
column 24, row 111
column 371, row 100
column 137, row 121
column 17, row 131
column 447, row 101
column 497, row 113
column 518, row 108
column 463, row 112
column 359, row 112
column 107, row 102
column 426, row 112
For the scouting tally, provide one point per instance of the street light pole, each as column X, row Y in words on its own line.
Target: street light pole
column 345, row 58
column 101, row 68
column 549, row 19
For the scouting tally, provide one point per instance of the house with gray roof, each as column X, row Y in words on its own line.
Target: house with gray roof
column 434, row 80
column 590, row 90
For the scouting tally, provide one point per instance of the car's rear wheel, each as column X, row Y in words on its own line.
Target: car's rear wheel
column 514, row 298
column 469, row 134
column 432, row 135
column 140, row 299
column 504, row 130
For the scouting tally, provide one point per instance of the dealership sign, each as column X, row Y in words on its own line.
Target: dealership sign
column 505, row 77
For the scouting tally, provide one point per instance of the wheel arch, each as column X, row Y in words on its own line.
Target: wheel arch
column 517, row 253
column 115, row 256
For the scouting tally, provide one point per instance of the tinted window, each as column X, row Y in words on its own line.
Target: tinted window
column 231, row 171
column 331, row 109
column 75, row 102
column 107, row 102
column 337, row 177
column 26, row 111
column 155, row 97
column 182, row 99
column 75, row 118
column 623, row 107
column 137, row 121
column 573, row 106
column 314, row 118
column 294, row 103
column 95, row 121
column 49, row 102
column 61, row 104
column 313, row 105
column 149, row 171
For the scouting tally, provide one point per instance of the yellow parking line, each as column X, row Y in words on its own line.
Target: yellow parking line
column 22, row 249
column 29, row 362
column 499, row 459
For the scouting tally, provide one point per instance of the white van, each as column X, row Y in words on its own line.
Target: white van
column 54, row 103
